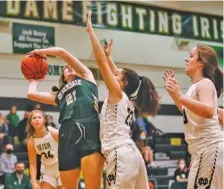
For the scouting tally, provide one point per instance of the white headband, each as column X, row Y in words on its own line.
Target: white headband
column 134, row 94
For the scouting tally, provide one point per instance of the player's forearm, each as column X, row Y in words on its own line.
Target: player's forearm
column 111, row 64
column 33, row 174
column 68, row 58
column 54, row 51
column 32, row 87
column 199, row 108
column 97, row 49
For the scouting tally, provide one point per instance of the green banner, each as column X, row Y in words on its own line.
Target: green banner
column 28, row 37
column 55, row 70
column 219, row 51
column 119, row 15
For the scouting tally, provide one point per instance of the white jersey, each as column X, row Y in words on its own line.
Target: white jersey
column 201, row 132
column 47, row 147
column 115, row 124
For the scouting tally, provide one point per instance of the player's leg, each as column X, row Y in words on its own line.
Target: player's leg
column 92, row 168
column 70, row 178
column 122, row 168
column 217, row 181
column 50, row 177
column 193, row 172
column 69, row 159
column 207, row 168
column 91, row 160
column 142, row 178
column 45, row 185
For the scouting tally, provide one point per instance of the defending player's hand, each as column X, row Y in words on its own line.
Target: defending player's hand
column 108, row 48
column 168, row 74
column 89, row 26
column 172, row 87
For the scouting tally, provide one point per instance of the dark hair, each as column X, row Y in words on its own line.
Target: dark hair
column 13, row 107
column 19, row 162
column 181, row 160
column 29, row 128
column 208, row 57
column 61, row 81
column 147, row 99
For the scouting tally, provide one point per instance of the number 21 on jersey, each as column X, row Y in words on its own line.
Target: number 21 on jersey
column 71, row 97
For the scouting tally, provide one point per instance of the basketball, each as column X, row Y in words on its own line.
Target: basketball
column 34, row 66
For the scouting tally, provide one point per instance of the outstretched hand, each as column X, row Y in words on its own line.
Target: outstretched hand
column 38, row 52
column 168, row 74
column 108, row 48
column 172, row 87
column 89, row 26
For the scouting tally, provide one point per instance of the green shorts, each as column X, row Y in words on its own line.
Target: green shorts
column 77, row 140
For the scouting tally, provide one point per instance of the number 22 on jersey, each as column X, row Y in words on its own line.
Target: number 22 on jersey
column 130, row 117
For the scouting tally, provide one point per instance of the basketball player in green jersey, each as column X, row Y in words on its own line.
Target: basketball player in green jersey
column 77, row 98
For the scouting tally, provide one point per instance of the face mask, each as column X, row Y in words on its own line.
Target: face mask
column 9, row 151
column 20, row 172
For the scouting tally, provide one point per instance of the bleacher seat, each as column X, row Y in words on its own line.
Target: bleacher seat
column 157, row 171
column 167, row 148
column 21, row 156
column 26, row 164
column 20, row 148
column 177, row 154
column 163, row 179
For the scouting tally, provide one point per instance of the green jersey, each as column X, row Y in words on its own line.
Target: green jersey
column 78, row 100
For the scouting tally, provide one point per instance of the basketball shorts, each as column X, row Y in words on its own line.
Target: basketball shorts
column 125, row 169
column 77, row 140
column 51, row 175
column 207, row 171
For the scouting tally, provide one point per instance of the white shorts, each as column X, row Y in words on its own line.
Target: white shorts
column 125, row 169
column 207, row 169
column 51, row 175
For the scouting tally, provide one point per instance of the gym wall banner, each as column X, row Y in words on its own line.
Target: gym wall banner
column 219, row 51
column 119, row 16
column 28, row 37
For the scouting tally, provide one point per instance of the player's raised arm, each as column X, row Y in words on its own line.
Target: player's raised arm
column 108, row 51
column 108, row 76
column 80, row 68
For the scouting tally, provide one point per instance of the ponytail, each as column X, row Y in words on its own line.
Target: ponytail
column 147, row 99
column 55, row 89
column 218, row 81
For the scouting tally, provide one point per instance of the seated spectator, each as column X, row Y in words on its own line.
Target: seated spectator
column 7, row 162
column 141, row 133
column 181, row 173
column 22, row 127
column 4, row 138
column 37, row 107
column 17, row 179
column 13, row 120
column 50, row 121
